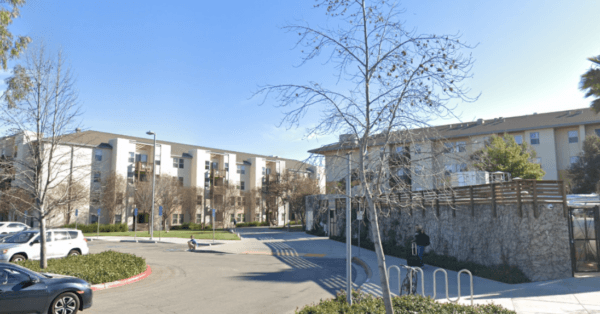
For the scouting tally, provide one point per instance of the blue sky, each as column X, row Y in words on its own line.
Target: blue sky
column 187, row 69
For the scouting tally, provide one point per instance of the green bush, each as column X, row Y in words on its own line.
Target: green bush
column 103, row 228
column 366, row 303
column 252, row 224
column 94, row 268
column 502, row 273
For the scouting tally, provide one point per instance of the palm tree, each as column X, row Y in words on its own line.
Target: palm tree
column 590, row 81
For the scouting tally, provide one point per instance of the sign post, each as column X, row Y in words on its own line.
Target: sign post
column 25, row 215
column 98, row 222
column 135, row 212
column 349, row 234
column 213, row 223
column 76, row 214
column 359, row 216
column 160, row 219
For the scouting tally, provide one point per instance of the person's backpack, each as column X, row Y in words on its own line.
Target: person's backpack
column 427, row 243
column 413, row 259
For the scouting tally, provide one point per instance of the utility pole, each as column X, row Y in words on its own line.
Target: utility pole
column 348, row 234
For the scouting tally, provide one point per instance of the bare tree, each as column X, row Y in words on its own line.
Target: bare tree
column 300, row 186
column 394, row 82
column 169, row 196
column 112, row 195
column 190, row 204
column 143, row 197
column 225, row 200
column 251, row 204
column 41, row 110
column 77, row 198
column 274, row 190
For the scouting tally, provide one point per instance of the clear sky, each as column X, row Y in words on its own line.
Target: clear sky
column 187, row 69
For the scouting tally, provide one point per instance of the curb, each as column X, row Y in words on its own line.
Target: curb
column 364, row 265
column 118, row 283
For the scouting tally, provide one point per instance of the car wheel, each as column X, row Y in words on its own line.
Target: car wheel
column 17, row 258
column 66, row 303
column 74, row 253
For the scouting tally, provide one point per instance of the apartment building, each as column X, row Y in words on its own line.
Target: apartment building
column 556, row 137
column 93, row 156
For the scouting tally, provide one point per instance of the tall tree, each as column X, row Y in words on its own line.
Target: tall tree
column 10, row 48
column 252, row 204
column 169, row 196
column 585, row 173
column 274, row 190
column 504, row 154
column 112, row 195
column 225, row 200
column 191, row 201
column 392, row 82
column 41, row 109
column 300, row 186
column 590, row 82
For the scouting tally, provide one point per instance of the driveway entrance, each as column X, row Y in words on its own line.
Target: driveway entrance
column 585, row 229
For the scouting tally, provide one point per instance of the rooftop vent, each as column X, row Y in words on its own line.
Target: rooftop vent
column 534, row 113
column 348, row 138
column 77, row 130
column 480, row 121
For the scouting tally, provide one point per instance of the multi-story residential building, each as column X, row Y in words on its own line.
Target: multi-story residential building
column 556, row 137
column 100, row 155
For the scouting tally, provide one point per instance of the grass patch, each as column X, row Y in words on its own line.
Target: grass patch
column 366, row 303
column 94, row 268
column 219, row 235
column 502, row 273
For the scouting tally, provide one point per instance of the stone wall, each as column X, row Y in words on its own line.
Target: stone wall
column 538, row 246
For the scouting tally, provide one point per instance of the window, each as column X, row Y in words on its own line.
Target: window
column 93, row 218
column 232, row 218
column 573, row 137
column 177, row 219
column 597, row 132
column 73, row 234
column 95, row 198
column 242, row 169
column 419, row 170
column 198, row 199
column 461, row 147
column 198, row 218
column 537, row 160
column 61, row 236
column 98, row 155
column 13, row 276
column 16, row 148
column 462, row 167
column 97, row 176
column 257, row 201
column 519, row 139
column 117, row 219
column 264, row 171
column 535, row 138
column 400, row 172
column 574, row 159
column 226, row 166
column 180, row 181
column 486, row 140
column 141, row 157
column 215, row 165
column 131, row 157
column 207, row 165
column 242, row 185
column 239, row 201
column 448, row 148
column 240, row 218
column 257, row 218
column 417, row 149
column 180, row 163
column 400, row 149
column 448, row 169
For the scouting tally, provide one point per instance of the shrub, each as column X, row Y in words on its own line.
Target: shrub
column 94, row 268
column 366, row 303
column 502, row 273
column 91, row 228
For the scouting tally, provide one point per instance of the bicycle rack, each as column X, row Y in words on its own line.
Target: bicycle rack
column 434, row 281
column 446, row 278
column 409, row 278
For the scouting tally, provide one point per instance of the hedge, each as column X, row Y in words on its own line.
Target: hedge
column 190, row 226
column 103, row 267
column 103, row 228
column 252, row 224
column 366, row 303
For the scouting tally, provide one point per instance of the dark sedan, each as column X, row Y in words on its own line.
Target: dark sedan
column 25, row 291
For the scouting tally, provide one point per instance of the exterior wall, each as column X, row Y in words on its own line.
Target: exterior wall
column 566, row 150
column 538, row 246
column 546, row 150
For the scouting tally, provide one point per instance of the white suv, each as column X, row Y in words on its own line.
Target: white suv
column 12, row 227
column 59, row 243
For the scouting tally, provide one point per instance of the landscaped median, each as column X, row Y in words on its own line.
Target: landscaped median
column 219, row 235
column 103, row 270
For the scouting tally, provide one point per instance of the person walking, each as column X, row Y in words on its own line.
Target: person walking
column 422, row 240
column 192, row 243
column 234, row 224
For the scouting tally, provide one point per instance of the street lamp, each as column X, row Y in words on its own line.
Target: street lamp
column 153, row 182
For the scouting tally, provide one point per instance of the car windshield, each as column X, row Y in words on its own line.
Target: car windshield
column 22, row 237
column 1, row 224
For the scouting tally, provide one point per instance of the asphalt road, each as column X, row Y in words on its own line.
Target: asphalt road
column 222, row 281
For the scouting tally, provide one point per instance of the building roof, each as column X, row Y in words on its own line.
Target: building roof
column 100, row 139
column 496, row 126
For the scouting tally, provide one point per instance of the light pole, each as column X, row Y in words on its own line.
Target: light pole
column 153, row 182
column 348, row 234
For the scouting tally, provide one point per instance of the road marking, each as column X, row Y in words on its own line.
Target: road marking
column 282, row 253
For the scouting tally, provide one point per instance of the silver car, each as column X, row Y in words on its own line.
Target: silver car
column 59, row 243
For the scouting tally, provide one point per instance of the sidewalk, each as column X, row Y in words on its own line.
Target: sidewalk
column 570, row 295
column 162, row 240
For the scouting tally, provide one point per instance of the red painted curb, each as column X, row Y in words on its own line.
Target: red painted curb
column 118, row 283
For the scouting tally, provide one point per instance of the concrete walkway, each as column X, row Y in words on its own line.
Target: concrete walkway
column 570, row 295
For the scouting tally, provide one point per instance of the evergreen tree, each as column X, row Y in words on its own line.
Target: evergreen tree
column 585, row 173
column 504, row 154
column 590, row 83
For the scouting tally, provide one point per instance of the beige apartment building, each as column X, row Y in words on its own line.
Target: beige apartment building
column 556, row 137
column 91, row 156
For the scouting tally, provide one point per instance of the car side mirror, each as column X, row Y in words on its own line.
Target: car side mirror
column 3, row 278
column 34, row 242
column 33, row 279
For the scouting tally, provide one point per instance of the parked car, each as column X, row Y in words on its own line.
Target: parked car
column 26, row 291
column 59, row 243
column 12, row 227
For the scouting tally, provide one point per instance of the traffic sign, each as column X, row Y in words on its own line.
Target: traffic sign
column 213, row 212
column 76, row 212
column 98, row 211
column 359, row 216
column 159, row 211
column 135, row 212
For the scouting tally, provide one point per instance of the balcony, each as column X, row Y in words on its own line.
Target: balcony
column 399, row 159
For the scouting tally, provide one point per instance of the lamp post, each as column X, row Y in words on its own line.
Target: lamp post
column 348, row 234
column 153, row 182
